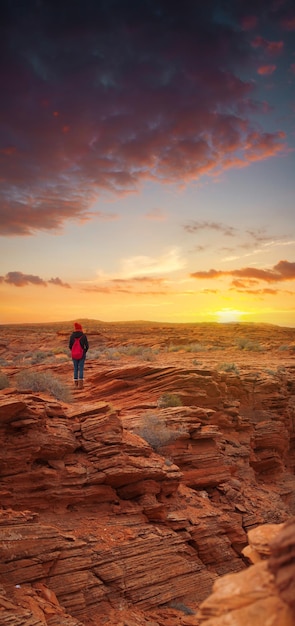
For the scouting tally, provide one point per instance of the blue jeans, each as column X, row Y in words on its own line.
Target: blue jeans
column 79, row 368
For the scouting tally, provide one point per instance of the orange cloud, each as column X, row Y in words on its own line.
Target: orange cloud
column 137, row 286
column 282, row 271
column 266, row 70
column 263, row 145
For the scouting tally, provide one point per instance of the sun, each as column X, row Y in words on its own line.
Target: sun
column 229, row 315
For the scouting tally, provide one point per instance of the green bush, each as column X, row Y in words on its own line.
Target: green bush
column 169, row 399
column 156, row 432
column 4, row 381
column 43, row 381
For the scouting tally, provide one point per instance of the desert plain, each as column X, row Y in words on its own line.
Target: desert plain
column 160, row 494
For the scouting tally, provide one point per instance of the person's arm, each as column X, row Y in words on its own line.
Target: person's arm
column 86, row 344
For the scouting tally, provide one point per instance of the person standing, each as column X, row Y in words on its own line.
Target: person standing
column 78, row 345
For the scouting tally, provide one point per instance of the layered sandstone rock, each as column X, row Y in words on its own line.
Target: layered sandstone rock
column 262, row 594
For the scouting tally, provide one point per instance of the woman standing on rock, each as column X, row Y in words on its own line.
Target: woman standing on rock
column 78, row 345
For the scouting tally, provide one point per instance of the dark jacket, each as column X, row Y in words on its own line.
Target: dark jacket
column 83, row 340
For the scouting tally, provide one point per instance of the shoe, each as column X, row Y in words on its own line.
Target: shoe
column 80, row 384
column 76, row 383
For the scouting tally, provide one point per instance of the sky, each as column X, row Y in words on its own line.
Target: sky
column 147, row 161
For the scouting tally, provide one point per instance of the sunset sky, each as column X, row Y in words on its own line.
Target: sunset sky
column 147, row 160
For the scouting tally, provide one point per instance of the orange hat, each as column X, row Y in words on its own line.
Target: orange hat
column 77, row 326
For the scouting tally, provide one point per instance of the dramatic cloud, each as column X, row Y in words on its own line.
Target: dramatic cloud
column 18, row 279
column 99, row 96
column 282, row 271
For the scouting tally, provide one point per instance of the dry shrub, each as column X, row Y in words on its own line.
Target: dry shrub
column 169, row 399
column 43, row 381
column 156, row 432
column 247, row 344
column 229, row 367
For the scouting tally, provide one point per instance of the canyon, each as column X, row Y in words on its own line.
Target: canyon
column 140, row 499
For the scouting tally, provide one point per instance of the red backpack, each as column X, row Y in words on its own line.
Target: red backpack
column 77, row 350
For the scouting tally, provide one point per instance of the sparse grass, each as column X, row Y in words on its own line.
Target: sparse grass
column 131, row 350
column 112, row 353
column 247, row 344
column 156, row 432
column 144, row 352
column 173, row 348
column 169, row 399
column 43, row 381
column 60, row 350
column 4, row 381
column 96, row 353
column 195, row 347
column 228, row 367
column 149, row 354
column 188, row 347
column 41, row 356
column 278, row 372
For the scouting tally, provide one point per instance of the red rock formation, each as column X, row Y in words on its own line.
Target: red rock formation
column 96, row 526
column 262, row 594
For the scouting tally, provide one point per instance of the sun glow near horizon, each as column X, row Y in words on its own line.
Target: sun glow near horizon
column 113, row 302
column 230, row 315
